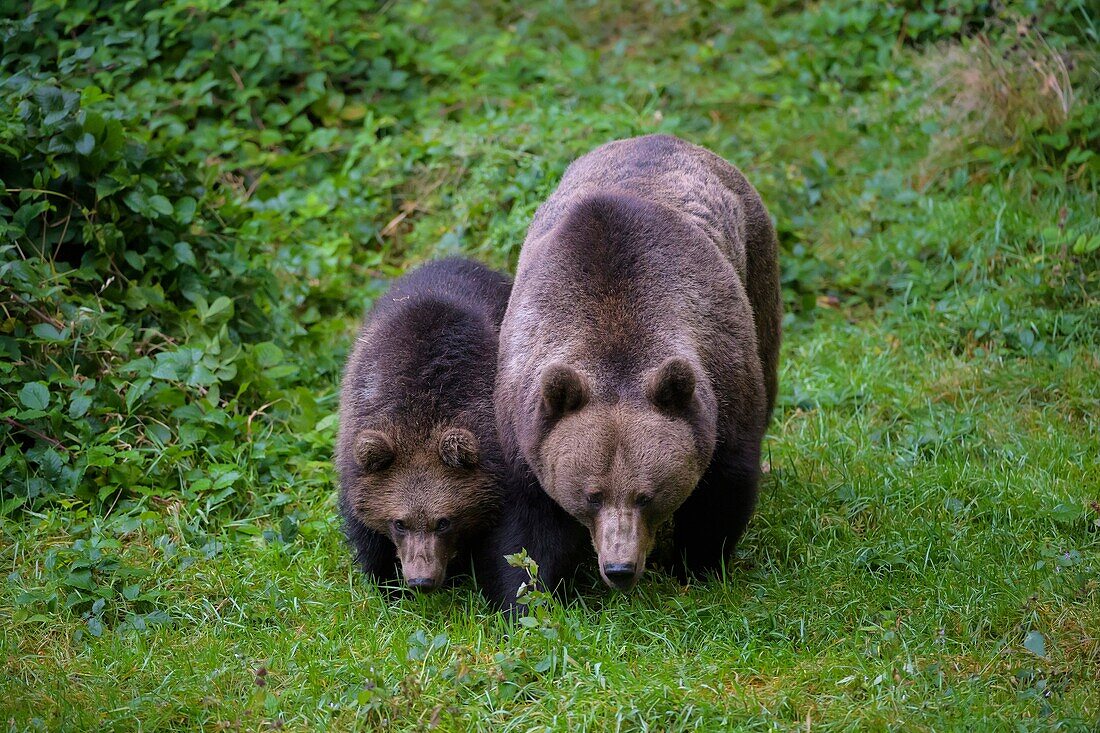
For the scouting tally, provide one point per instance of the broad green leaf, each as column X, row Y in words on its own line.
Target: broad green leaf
column 160, row 204
column 136, row 391
column 184, row 254
column 1035, row 643
column 185, row 210
column 86, row 144
column 137, row 201
column 220, row 309
column 95, row 627
column 35, row 396
column 267, row 354
column 78, row 406
column 1086, row 244
column 49, row 332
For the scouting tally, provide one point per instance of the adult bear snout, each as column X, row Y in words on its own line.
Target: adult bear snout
column 621, row 575
column 620, row 539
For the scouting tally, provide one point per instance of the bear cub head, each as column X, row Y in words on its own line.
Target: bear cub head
column 622, row 467
column 429, row 495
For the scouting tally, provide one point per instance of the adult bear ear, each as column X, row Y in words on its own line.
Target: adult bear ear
column 564, row 390
column 373, row 450
column 672, row 386
column 458, row 448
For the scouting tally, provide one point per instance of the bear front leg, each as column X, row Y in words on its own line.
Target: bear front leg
column 712, row 520
column 530, row 520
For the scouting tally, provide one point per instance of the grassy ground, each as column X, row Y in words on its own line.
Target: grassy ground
column 926, row 551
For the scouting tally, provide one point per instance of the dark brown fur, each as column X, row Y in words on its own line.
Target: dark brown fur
column 637, row 366
column 419, row 461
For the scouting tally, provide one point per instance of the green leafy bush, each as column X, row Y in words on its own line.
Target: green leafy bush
column 143, row 329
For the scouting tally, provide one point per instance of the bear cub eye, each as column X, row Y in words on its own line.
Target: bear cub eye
column 400, row 527
column 442, row 525
column 643, row 500
column 595, row 499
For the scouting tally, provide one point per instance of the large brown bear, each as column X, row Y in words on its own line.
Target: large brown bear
column 420, row 466
column 637, row 365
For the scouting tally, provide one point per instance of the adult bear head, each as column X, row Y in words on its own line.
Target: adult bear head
column 622, row 464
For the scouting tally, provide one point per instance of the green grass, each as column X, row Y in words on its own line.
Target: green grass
column 926, row 552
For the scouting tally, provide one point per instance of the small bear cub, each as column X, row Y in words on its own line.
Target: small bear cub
column 419, row 463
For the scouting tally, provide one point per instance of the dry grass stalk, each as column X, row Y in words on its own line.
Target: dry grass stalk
column 998, row 88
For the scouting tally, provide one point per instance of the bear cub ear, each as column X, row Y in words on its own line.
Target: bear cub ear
column 672, row 386
column 564, row 390
column 458, row 448
column 373, row 450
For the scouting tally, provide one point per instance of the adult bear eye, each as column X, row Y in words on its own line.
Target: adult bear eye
column 442, row 525
column 400, row 527
column 595, row 499
column 643, row 500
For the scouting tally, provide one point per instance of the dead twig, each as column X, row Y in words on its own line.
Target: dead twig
column 38, row 434
column 56, row 323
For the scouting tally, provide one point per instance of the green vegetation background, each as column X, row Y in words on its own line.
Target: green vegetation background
column 201, row 198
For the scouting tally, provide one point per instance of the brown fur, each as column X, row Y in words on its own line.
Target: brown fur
column 638, row 358
column 419, row 461
column 419, row 487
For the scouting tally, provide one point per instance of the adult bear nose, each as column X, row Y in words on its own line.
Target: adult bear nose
column 620, row 574
column 421, row 584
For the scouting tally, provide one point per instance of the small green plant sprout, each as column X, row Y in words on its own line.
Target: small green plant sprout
column 532, row 596
column 528, row 593
column 539, row 604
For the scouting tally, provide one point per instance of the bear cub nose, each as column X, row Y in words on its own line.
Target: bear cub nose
column 620, row 574
column 421, row 584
